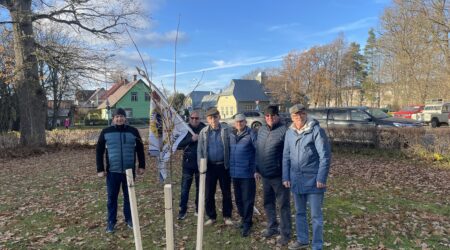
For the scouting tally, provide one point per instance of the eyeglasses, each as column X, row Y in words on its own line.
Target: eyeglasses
column 195, row 118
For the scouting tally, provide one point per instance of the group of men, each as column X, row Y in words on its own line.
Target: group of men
column 293, row 158
column 287, row 159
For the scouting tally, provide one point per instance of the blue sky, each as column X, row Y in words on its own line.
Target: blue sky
column 227, row 39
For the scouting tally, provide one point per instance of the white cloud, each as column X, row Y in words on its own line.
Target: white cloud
column 359, row 24
column 219, row 63
column 244, row 62
column 159, row 39
column 282, row 26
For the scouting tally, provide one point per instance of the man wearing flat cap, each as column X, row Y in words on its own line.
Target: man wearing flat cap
column 121, row 143
column 269, row 155
column 242, row 171
column 306, row 162
column 214, row 145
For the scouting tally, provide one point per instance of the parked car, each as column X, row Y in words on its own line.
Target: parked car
column 255, row 119
column 358, row 117
column 408, row 111
column 434, row 113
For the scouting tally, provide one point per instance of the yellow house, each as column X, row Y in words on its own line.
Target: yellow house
column 242, row 95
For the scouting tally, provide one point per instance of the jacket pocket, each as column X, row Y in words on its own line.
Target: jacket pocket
column 309, row 180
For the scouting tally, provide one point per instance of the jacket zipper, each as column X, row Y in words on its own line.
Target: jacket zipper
column 121, row 150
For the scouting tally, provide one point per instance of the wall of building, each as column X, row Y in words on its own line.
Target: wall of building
column 227, row 106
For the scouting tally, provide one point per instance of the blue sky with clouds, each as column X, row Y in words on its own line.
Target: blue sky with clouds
column 227, row 39
column 224, row 40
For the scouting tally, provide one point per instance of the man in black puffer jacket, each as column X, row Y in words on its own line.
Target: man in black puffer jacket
column 190, row 166
column 121, row 143
column 269, row 157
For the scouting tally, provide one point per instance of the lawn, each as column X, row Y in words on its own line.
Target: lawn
column 55, row 201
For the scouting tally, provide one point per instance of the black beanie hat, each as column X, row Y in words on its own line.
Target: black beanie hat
column 120, row 111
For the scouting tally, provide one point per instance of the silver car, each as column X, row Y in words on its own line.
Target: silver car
column 255, row 119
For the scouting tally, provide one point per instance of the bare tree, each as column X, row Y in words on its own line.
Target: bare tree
column 104, row 19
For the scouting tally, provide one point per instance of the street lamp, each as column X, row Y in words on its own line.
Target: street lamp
column 108, row 108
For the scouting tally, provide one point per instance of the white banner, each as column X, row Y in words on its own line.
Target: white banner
column 166, row 131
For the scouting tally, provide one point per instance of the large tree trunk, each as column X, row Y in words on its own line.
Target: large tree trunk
column 32, row 104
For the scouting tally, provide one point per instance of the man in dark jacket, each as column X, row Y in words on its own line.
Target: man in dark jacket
column 121, row 143
column 190, row 166
column 242, row 170
column 269, row 155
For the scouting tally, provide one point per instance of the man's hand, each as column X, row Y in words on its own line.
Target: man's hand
column 101, row 174
column 321, row 185
column 287, row 184
column 195, row 137
column 257, row 176
column 140, row 171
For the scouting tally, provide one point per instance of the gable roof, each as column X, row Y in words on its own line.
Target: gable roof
column 121, row 91
column 245, row 90
column 209, row 101
column 83, row 95
column 197, row 97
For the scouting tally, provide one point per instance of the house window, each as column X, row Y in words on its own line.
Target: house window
column 129, row 112
column 248, row 107
column 226, row 110
column 222, row 111
column 134, row 97
column 147, row 96
column 232, row 110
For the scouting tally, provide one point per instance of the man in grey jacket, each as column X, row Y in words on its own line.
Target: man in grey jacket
column 269, row 155
column 214, row 145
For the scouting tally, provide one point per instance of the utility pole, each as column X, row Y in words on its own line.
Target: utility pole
column 108, row 108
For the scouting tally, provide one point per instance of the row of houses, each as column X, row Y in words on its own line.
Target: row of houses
column 134, row 97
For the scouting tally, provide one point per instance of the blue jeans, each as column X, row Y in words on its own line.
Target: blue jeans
column 244, row 195
column 113, row 183
column 186, row 181
column 315, row 202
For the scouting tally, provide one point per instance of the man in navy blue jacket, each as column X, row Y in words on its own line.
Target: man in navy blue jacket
column 121, row 143
column 190, row 166
column 242, row 170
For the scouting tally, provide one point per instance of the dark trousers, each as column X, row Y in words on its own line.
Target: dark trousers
column 244, row 194
column 213, row 174
column 186, row 181
column 275, row 194
column 113, row 183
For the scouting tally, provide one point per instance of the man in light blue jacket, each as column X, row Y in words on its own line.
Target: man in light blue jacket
column 306, row 162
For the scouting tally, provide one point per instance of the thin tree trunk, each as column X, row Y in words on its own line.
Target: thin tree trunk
column 32, row 104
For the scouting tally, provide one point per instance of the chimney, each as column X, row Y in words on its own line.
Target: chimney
column 125, row 81
column 134, row 77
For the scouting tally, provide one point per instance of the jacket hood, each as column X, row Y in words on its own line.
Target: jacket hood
column 309, row 125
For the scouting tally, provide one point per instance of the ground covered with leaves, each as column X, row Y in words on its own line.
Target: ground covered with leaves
column 54, row 200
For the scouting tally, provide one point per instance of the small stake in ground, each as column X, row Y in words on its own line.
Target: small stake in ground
column 201, row 204
column 134, row 211
column 169, row 216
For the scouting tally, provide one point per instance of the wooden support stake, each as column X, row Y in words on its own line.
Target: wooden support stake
column 134, row 211
column 169, row 216
column 201, row 204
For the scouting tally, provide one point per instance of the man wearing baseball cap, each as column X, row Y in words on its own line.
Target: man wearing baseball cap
column 214, row 145
column 242, row 170
column 121, row 143
column 306, row 162
column 269, row 155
